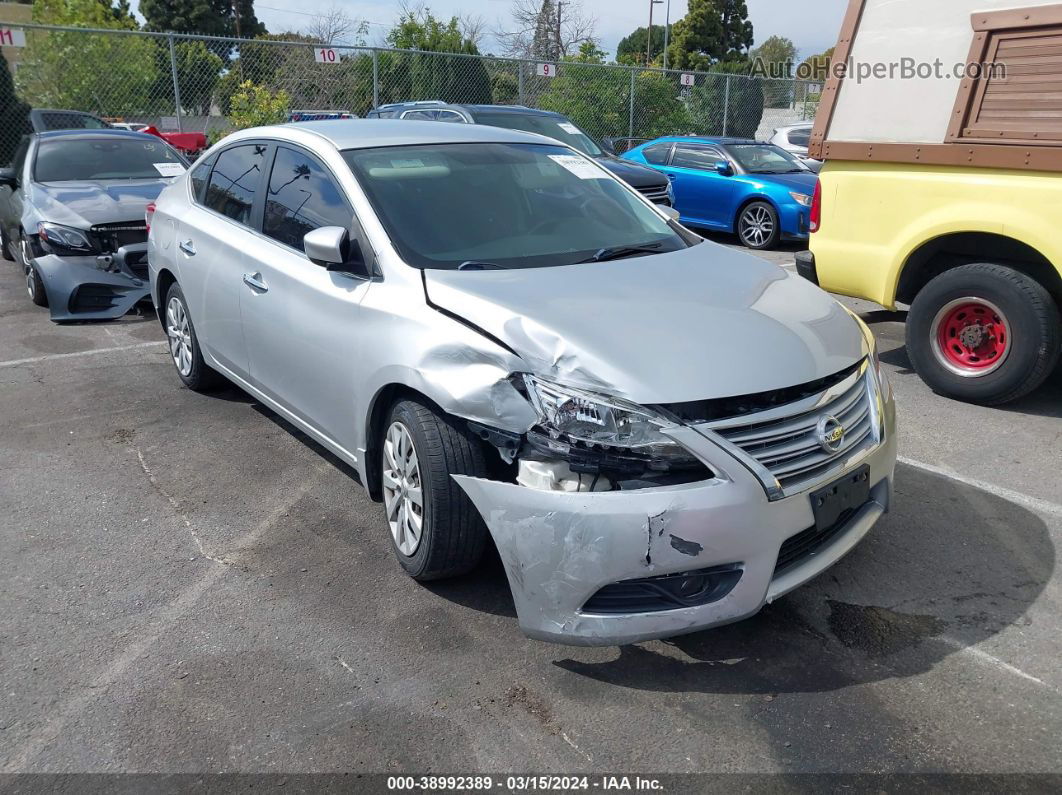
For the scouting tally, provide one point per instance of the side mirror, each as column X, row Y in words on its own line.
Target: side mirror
column 331, row 248
column 670, row 212
column 8, row 178
column 608, row 145
column 723, row 167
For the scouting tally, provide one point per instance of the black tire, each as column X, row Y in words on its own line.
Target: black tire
column 757, row 226
column 5, row 248
column 35, row 287
column 1031, row 316
column 453, row 535
column 199, row 377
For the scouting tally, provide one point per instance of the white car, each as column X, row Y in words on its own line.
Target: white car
column 795, row 139
column 659, row 434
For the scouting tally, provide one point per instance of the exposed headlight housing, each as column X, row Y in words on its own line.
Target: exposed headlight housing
column 590, row 420
column 59, row 239
column 801, row 198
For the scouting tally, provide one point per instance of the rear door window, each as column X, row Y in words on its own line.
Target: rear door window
column 235, row 180
column 702, row 158
column 657, row 154
column 799, row 137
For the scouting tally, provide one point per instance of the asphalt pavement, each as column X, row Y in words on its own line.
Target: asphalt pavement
column 191, row 585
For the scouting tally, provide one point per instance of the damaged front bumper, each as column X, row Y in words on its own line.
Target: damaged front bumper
column 94, row 287
column 560, row 549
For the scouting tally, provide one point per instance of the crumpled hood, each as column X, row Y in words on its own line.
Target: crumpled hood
column 83, row 204
column 701, row 323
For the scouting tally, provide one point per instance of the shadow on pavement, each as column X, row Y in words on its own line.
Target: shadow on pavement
column 948, row 568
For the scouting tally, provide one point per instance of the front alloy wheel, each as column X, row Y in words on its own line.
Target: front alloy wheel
column 758, row 226
column 403, row 494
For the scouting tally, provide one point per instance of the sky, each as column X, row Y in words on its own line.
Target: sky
column 811, row 24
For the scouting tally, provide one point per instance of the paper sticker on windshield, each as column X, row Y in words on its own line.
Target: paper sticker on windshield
column 568, row 127
column 169, row 169
column 583, row 169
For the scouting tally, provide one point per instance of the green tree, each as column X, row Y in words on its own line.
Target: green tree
column 816, row 67
column 598, row 100
column 416, row 76
column 255, row 106
column 716, row 111
column 544, row 44
column 631, row 48
column 111, row 75
column 775, row 60
column 14, row 112
column 713, row 31
column 208, row 17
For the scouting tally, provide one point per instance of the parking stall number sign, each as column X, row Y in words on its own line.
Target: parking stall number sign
column 546, row 69
column 686, row 80
column 325, row 55
column 12, row 37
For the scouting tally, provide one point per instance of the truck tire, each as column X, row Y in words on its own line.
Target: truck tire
column 436, row 531
column 983, row 333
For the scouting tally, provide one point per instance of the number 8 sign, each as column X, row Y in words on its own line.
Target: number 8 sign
column 325, row 55
column 546, row 70
column 686, row 79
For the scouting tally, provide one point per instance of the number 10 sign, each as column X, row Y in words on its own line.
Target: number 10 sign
column 325, row 55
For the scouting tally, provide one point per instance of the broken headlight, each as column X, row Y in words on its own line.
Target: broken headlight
column 576, row 417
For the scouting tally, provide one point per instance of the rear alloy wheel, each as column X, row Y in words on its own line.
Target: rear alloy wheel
column 757, row 226
column 184, row 346
column 983, row 333
column 5, row 246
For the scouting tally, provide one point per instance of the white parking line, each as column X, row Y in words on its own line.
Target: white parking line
column 93, row 352
column 1033, row 503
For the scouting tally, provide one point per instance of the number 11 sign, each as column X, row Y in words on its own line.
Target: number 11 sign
column 12, row 37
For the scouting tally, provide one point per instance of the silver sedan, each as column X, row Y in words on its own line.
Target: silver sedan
column 512, row 346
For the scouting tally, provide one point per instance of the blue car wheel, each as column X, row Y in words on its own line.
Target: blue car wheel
column 758, row 226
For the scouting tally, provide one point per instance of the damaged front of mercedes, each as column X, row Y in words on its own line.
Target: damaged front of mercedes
column 660, row 434
column 72, row 215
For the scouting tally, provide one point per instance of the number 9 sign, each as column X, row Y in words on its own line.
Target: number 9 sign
column 546, row 70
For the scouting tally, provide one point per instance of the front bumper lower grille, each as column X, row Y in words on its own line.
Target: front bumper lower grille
column 657, row 194
column 666, row 592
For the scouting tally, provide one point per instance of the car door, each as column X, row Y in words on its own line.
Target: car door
column 300, row 319
column 211, row 240
column 11, row 199
column 702, row 195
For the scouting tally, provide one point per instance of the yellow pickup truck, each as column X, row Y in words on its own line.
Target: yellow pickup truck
column 942, row 189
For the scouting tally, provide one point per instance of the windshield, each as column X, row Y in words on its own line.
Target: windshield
column 765, row 159
column 504, row 205
column 558, row 128
column 63, row 160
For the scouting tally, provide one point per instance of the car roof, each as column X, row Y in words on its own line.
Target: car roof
column 702, row 139
column 522, row 110
column 366, row 133
column 106, row 132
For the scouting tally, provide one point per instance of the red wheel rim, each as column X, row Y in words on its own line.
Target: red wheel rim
column 972, row 336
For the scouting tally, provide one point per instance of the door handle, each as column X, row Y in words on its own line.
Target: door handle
column 254, row 280
column 187, row 247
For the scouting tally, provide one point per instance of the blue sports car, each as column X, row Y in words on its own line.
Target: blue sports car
column 758, row 191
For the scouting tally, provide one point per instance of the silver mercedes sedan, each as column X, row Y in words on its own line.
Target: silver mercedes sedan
column 510, row 345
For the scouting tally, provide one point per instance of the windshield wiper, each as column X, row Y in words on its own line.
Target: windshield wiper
column 619, row 252
column 472, row 265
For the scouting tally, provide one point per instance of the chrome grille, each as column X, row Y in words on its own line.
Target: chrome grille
column 785, row 441
column 656, row 194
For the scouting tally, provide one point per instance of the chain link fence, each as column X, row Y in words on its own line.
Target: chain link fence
column 187, row 83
